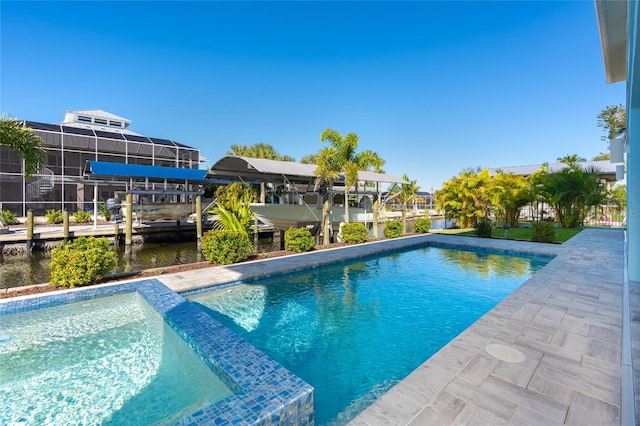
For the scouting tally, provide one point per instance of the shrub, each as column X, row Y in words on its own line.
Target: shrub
column 483, row 228
column 298, row 240
column 54, row 216
column 354, row 233
column 543, row 232
column 7, row 217
column 392, row 229
column 422, row 225
column 81, row 262
column 104, row 211
column 81, row 216
column 224, row 247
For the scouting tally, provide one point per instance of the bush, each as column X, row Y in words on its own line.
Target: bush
column 54, row 216
column 354, row 233
column 224, row 247
column 298, row 240
column 104, row 211
column 543, row 232
column 422, row 225
column 392, row 229
column 81, row 216
column 483, row 228
column 81, row 262
column 8, row 218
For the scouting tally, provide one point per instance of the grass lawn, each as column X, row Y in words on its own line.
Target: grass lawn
column 522, row 234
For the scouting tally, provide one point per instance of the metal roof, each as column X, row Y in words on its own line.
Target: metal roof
column 260, row 169
column 108, row 170
column 603, row 168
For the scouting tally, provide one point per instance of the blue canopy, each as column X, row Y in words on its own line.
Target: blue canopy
column 104, row 169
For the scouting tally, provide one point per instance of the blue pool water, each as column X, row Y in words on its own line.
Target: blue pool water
column 110, row 360
column 354, row 330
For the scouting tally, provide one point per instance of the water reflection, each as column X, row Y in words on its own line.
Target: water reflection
column 21, row 270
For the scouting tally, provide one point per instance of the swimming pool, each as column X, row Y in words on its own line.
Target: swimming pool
column 109, row 361
column 135, row 353
column 353, row 330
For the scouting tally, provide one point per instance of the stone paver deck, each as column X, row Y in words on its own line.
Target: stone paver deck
column 550, row 353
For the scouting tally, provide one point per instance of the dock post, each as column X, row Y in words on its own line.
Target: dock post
column 65, row 225
column 375, row 219
column 129, row 228
column 29, row 231
column 116, row 235
column 198, row 221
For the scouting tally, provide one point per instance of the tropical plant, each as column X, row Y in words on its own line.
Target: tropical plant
column 7, row 217
column 224, row 247
column 483, row 228
column 81, row 216
column 260, row 150
column 16, row 136
column 54, row 216
column 298, row 240
column 422, row 225
column 602, row 156
column 354, row 233
column 543, row 232
column 392, row 229
column 465, row 198
column 613, row 120
column 340, row 159
column 235, row 215
column 508, row 193
column 619, row 196
column 570, row 193
column 406, row 193
column 81, row 262
column 569, row 159
column 104, row 211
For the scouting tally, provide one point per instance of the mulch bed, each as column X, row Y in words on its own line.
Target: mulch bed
column 147, row 273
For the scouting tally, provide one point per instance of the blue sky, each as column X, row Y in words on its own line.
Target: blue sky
column 433, row 87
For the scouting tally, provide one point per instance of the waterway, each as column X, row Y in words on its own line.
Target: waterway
column 22, row 270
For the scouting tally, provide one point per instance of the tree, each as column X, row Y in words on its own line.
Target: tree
column 465, row 197
column 602, row 156
column 613, row 119
column 570, row 193
column 340, row 159
column 260, row 150
column 573, row 158
column 619, row 196
column 15, row 135
column 406, row 193
column 508, row 193
column 310, row 159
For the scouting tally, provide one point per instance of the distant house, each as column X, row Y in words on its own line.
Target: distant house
column 83, row 135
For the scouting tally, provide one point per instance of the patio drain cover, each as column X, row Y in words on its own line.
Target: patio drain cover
column 504, row 353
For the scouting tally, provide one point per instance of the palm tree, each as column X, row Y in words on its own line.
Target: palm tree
column 569, row 159
column 508, row 194
column 16, row 136
column 406, row 192
column 465, row 197
column 260, row 150
column 340, row 159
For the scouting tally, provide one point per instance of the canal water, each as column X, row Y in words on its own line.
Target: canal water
column 20, row 270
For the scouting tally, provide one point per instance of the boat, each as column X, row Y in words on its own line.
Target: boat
column 290, row 196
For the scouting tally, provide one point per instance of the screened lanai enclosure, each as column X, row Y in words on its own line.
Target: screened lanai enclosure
column 88, row 135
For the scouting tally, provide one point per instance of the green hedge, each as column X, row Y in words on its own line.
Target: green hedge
column 543, row 232
column 298, row 240
column 354, row 233
column 54, row 216
column 224, row 247
column 81, row 216
column 483, row 228
column 422, row 225
column 81, row 262
column 392, row 229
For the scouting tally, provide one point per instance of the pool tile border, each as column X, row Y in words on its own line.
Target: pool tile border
column 264, row 391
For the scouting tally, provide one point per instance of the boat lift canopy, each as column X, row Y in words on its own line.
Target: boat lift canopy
column 263, row 170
